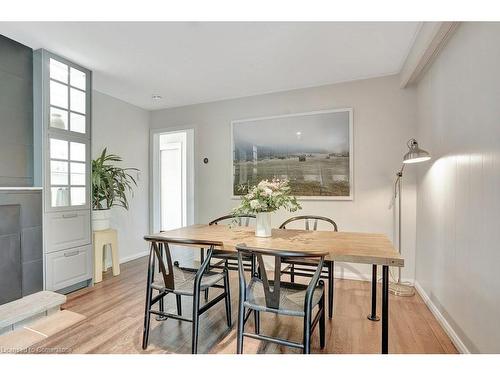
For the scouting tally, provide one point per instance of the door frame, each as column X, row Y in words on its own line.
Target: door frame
column 154, row 175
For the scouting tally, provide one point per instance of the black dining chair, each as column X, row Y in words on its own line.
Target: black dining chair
column 227, row 259
column 303, row 267
column 279, row 297
column 182, row 282
column 231, row 258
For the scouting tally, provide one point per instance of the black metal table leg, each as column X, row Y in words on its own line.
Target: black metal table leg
column 331, row 287
column 373, row 315
column 385, row 309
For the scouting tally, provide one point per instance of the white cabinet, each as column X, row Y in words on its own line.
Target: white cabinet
column 65, row 230
column 62, row 106
column 68, row 267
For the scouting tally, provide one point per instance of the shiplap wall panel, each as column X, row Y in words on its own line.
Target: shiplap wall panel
column 458, row 204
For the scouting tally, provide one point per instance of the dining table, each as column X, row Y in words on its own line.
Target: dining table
column 353, row 247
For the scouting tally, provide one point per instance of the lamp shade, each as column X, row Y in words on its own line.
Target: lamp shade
column 415, row 154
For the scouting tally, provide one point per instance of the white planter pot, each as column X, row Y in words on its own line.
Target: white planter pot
column 263, row 225
column 100, row 219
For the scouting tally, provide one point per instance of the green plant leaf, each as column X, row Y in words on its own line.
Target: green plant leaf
column 111, row 183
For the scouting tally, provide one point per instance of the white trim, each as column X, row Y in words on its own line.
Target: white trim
column 428, row 43
column 351, row 152
column 134, row 256
column 343, row 274
column 349, row 275
column 462, row 348
column 154, row 171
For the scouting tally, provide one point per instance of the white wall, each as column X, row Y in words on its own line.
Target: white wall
column 384, row 119
column 458, row 232
column 124, row 130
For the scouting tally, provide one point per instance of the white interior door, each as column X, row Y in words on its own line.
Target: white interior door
column 172, row 179
column 171, row 186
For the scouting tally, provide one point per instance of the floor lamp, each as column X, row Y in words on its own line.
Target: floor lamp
column 414, row 155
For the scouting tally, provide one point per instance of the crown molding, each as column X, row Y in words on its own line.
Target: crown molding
column 429, row 42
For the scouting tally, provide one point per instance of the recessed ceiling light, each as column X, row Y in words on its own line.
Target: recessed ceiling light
column 156, row 97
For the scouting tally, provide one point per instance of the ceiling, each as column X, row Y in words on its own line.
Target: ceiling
column 197, row 62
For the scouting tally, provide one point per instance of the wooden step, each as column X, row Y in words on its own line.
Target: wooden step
column 24, row 337
column 28, row 308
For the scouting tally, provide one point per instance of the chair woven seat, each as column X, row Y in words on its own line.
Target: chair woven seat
column 221, row 254
column 292, row 298
column 328, row 269
column 184, row 281
column 303, row 261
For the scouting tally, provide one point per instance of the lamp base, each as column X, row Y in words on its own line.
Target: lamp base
column 402, row 289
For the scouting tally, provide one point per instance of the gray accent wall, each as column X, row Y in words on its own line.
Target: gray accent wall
column 16, row 113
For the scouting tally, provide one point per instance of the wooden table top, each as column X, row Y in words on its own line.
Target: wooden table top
column 368, row 248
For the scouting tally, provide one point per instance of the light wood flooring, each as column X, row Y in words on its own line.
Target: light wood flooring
column 115, row 308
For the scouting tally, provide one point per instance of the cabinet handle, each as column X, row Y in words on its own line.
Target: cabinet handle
column 71, row 254
column 69, row 216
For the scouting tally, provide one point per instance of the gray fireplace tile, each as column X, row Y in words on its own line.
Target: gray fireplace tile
column 31, row 244
column 10, row 268
column 31, row 212
column 21, row 213
column 31, row 203
column 32, row 277
column 9, row 219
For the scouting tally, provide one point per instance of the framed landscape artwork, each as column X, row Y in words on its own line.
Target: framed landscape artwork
column 312, row 150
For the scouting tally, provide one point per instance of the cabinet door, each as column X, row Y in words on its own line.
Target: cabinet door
column 68, row 173
column 68, row 267
column 68, row 97
column 65, row 230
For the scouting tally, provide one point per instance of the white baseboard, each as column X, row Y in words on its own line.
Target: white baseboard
column 339, row 273
column 442, row 321
column 134, row 256
column 349, row 275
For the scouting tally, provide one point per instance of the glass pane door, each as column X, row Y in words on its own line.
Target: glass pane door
column 68, row 165
column 67, row 97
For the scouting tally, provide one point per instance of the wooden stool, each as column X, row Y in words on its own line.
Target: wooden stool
column 101, row 239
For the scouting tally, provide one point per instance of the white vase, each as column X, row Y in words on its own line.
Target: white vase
column 263, row 225
column 100, row 219
column 56, row 121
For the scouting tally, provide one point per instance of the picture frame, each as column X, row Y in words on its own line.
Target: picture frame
column 313, row 150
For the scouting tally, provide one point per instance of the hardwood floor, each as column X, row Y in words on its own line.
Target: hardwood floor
column 114, row 310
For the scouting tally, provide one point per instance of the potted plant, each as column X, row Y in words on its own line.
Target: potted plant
column 110, row 185
column 263, row 199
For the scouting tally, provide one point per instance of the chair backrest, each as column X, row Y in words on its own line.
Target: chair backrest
column 313, row 218
column 272, row 288
column 242, row 220
column 160, row 252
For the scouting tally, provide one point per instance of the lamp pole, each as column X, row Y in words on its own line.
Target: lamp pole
column 414, row 155
column 398, row 193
